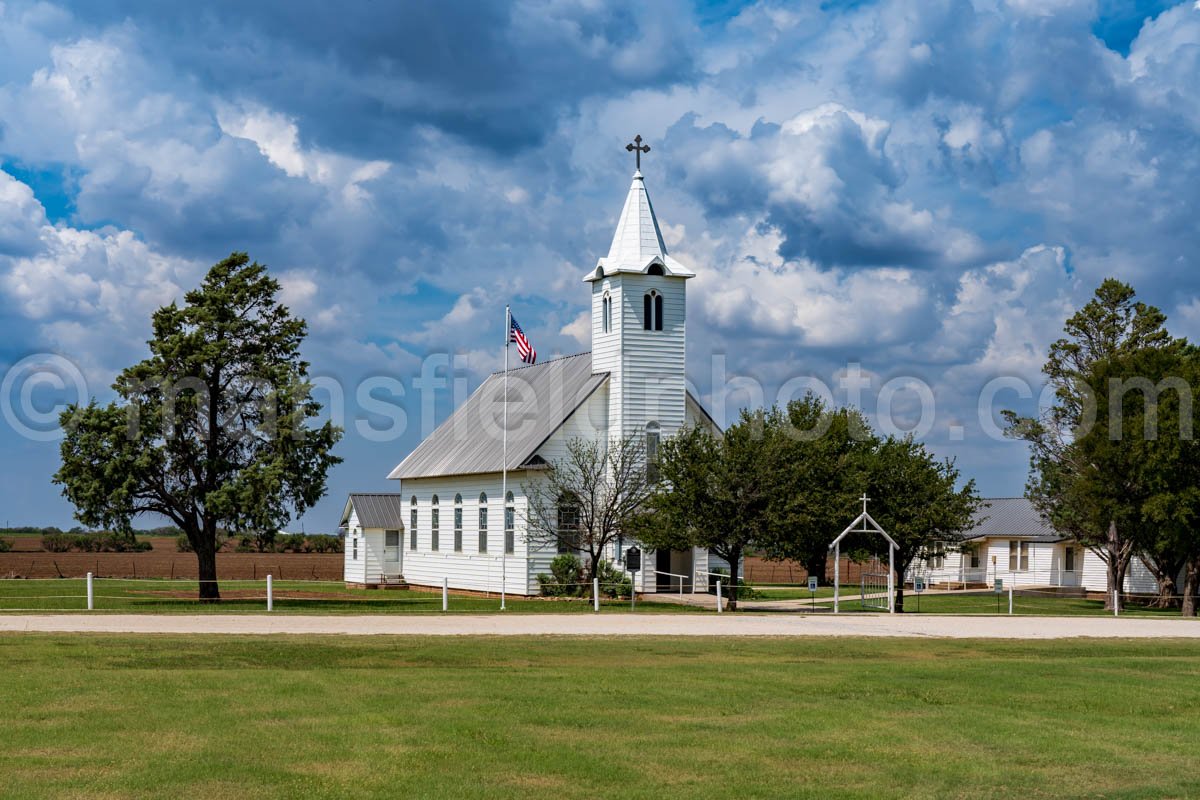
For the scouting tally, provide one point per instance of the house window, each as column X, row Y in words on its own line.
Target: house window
column 356, row 548
column 412, row 524
column 975, row 557
column 606, row 312
column 391, row 539
column 653, row 436
column 434, row 523
column 458, row 523
column 1069, row 559
column 652, row 311
column 510, row 517
column 483, row 522
column 1018, row 556
column 937, row 556
column 568, row 525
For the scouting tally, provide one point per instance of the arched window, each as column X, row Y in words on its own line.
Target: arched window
column 568, row 524
column 655, row 269
column 606, row 312
column 483, row 522
column 412, row 524
column 434, row 523
column 458, row 523
column 510, row 521
column 653, row 437
column 652, row 311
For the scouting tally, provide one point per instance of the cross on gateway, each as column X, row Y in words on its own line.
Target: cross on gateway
column 637, row 147
column 864, row 499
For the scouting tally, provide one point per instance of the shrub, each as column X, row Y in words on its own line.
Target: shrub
column 5, row 545
column 613, row 582
column 566, row 572
column 182, row 544
column 744, row 592
column 57, row 543
column 324, row 543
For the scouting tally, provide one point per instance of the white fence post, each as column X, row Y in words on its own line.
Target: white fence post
column 1116, row 602
column 1010, row 596
column 445, row 594
column 91, row 594
column 718, row 595
column 270, row 594
column 595, row 594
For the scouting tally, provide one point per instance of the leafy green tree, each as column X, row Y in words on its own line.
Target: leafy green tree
column 213, row 430
column 1148, row 406
column 1083, row 477
column 715, row 491
column 916, row 498
column 822, row 455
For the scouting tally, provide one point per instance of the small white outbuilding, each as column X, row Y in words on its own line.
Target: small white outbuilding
column 373, row 526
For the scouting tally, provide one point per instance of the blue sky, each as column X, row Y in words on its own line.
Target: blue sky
column 924, row 189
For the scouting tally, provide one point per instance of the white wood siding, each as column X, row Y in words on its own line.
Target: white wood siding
column 353, row 570
column 1047, row 567
column 468, row 569
column 590, row 421
column 1138, row 578
column 652, row 370
column 646, row 381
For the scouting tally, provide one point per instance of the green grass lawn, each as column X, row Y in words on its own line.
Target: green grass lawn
column 289, row 717
column 1033, row 603
column 291, row 597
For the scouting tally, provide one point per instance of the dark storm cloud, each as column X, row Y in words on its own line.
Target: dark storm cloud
column 360, row 77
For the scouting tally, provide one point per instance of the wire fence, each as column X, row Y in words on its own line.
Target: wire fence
column 240, row 595
column 93, row 593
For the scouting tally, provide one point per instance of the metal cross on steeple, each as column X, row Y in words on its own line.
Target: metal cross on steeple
column 637, row 147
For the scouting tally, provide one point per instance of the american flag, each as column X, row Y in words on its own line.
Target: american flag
column 524, row 348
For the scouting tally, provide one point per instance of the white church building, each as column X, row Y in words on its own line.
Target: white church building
column 451, row 518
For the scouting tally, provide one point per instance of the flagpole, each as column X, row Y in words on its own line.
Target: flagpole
column 504, row 467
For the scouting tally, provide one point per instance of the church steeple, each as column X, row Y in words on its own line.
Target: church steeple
column 639, row 309
column 637, row 243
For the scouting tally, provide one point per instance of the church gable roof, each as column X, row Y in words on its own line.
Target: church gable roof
column 541, row 398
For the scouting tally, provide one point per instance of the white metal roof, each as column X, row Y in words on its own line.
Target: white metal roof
column 541, row 398
column 375, row 510
column 637, row 242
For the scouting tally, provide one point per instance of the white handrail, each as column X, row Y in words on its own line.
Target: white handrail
column 682, row 578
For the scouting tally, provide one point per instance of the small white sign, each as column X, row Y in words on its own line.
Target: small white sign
column 919, row 585
column 812, row 583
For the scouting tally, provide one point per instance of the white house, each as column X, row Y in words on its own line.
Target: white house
column 451, row 518
column 1010, row 541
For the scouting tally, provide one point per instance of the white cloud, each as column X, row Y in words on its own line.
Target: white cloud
column 763, row 295
column 278, row 139
column 579, row 329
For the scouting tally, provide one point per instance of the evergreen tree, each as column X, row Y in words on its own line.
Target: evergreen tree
column 212, row 430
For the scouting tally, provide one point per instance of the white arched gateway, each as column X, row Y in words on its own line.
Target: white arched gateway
column 864, row 519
